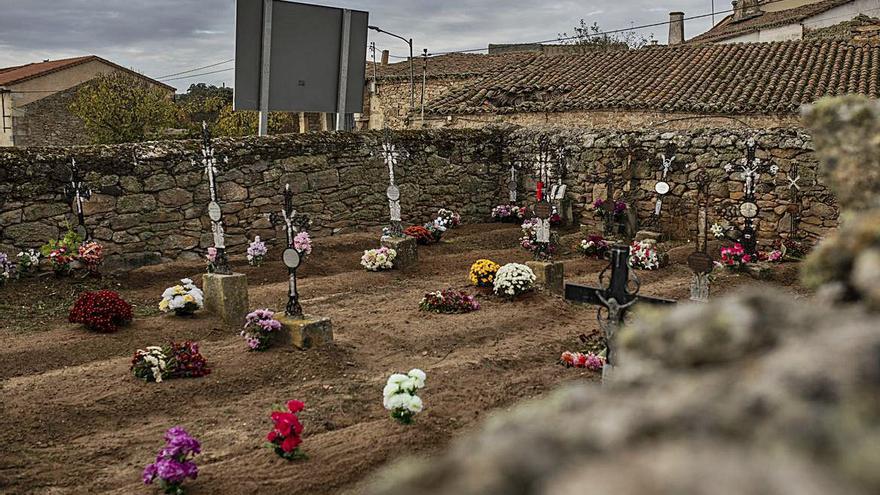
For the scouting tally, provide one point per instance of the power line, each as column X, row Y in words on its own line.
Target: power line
column 198, row 75
column 193, row 70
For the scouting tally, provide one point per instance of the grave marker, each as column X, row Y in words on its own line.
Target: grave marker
column 291, row 257
column 748, row 208
column 512, row 183
column 77, row 192
column 662, row 187
column 215, row 212
column 390, row 154
column 699, row 261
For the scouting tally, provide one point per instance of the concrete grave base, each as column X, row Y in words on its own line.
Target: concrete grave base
column 643, row 235
column 305, row 332
column 227, row 297
column 550, row 275
column 407, row 251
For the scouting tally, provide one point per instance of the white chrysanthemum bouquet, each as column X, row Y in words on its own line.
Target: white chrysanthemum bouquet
column 378, row 259
column 513, row 279
column 643, row 256
column 399, row 395
column 150, row 364
column 184, row 298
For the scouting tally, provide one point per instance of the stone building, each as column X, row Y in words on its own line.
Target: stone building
column 755, row 21
column 35, row 100
column 756, row 85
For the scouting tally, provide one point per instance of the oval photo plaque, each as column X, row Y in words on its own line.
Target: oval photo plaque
column 542, row 210
column 511, row 185
column 662, row 187
column 393, row 193
column 214, row 212
column 291, row 258
column 700, row 262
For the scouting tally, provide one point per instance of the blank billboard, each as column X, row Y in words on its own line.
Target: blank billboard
column 304, row 57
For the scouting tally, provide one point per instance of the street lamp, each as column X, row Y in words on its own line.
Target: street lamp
column 412, row 88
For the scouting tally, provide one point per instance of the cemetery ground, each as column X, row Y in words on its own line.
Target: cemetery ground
column 76, row 421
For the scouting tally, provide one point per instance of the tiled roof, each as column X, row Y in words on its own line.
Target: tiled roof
column 21, row 73
column 738, row 78
column 727, row 28
column 452, row 65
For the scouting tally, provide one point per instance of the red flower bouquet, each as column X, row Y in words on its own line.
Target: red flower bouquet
column 286, row 435
column 421, row 234
column 185, row 361
column 102, row 311
column 735, row 258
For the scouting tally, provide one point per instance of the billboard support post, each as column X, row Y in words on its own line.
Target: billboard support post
column 265, row 63
column 343, row 70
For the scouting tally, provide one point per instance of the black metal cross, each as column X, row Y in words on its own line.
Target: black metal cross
column 77, row 192
column 513, row 182
column 611, row 224
column 794, row 190
column 699, row 261
column 748, row 208
column 292, row 257
column 615, row 298
column 209, row 162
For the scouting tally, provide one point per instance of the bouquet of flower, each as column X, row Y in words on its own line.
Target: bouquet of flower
column 448, row 301
column 539, row 250
column 286, row 435
column 378, row 259
column 449, row 218
column 62, row 252
column 792, row 249
column 60, row 259
column 259, row 328
column 184, row 299
column 483, row 272
column 590, row 361
column 256, row 251
column 174, row 463
column 211, row 260
column 508, row 213
column 619, row 209
column 775, row 256
column 555, row 218
column 102, row 311
column 643, row 256
column 421, row 234
column 150, row 364
column 717, row 230
column 513, row 279
column 28, row 261
column 436, row 229
column 92, row 255
column 303, row 243
column 399, row 395
column 735, row 258
column 594, row 246
column 7, row 269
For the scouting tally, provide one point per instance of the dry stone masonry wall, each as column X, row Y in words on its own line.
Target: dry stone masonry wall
column 150, row 200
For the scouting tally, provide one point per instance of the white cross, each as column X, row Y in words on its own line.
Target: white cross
column 667, row 163
column 793, row 182
column 390, row 153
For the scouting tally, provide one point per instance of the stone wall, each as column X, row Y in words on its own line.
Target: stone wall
column 150, row 200
column 48, row 122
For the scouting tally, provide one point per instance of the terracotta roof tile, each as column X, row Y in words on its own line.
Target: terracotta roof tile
column 452, row 65
column 728, row 28
column 21, row 73
column 759, row 78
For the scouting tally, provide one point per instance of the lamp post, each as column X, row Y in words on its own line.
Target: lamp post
column 409, row 42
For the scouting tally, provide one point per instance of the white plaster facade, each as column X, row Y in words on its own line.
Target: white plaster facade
column 795, row 31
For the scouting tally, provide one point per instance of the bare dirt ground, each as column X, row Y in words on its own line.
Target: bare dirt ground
column 73, row 420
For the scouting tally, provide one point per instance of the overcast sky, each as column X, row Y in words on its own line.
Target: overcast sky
column 162, row 37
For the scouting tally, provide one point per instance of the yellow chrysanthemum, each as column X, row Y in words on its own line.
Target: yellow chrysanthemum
column 163, row 305
column 188, row 298
column 482, row 272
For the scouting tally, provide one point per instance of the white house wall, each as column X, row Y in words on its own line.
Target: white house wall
column 843, row 13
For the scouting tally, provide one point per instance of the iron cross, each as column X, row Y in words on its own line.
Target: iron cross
column 615, row 299
column 543, row 166
column 209, row 162
column 512, row 182
column 748, row 208
column 794, row 190
column 77, row 192
column 662, row 187
column 699, row 261
column 292, row 257
column 391, row 155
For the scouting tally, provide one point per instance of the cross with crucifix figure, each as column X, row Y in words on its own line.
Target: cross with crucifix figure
column 543, row 166
column 391, row 155
column 699, row 261
column 662, row 187
column 209, row 162
column 293, row 223
column 615, row 299
column 748, row 208
column 77, row 192
column 557, row 190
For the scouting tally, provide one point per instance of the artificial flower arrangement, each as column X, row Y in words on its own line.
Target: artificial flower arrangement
column 62, row 252
column 28, row 262
column 482, row 273
column 448, row 301
column 259, row 328
column 735, row 257
column 286, row 435
column 513, row 279
column 594, row 246
column 91, row 254
column 449, row 218
column 7, row 269
column 717, row 230
column 421, row 234
column 643, row 256
column 184, row 299
column 174, row 464
column 792, row 249
column 619, row 209
column 175, row 360
column 211, row 260
column 508, row 213
column 256, row 252
column 590, row 361
column 539, row 250
column 775, row 256
column 303, row 243
column 375, row 260
column 399, row 395
column 555, row 218
column 436, row 228
column 101, row 311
